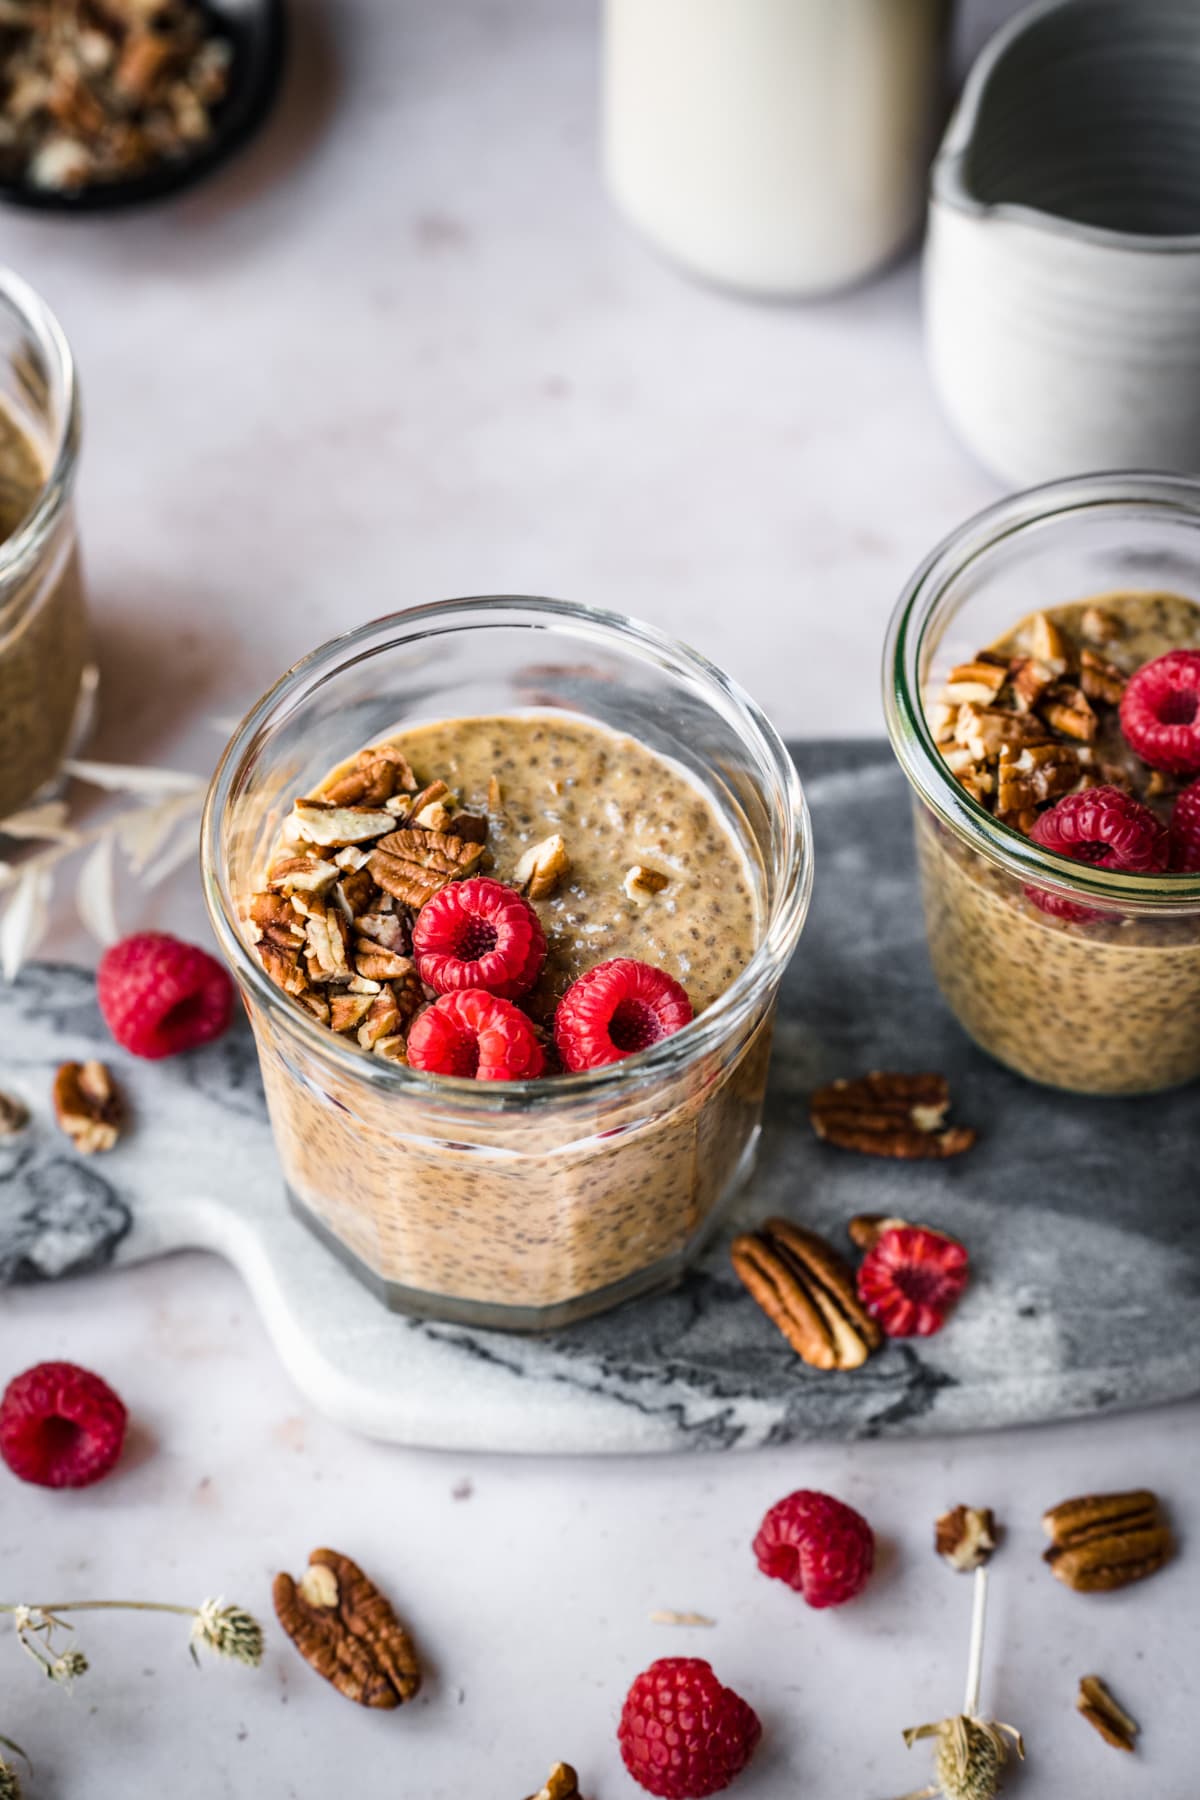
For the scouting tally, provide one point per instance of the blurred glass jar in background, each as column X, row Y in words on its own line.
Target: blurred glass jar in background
column 776, row 146
column 43, row 622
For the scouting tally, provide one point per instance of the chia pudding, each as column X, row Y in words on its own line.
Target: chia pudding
column 1094, row 997
column 533, row 1211
column 43, row 629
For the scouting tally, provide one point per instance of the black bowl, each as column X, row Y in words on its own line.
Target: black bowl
column 256, row 30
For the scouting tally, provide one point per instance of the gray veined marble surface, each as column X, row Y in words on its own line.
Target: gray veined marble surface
column 1082, row 1217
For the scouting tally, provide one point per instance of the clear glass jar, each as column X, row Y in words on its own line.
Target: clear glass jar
column 1103, row 1003
column 43, row 622
column 518, row 1205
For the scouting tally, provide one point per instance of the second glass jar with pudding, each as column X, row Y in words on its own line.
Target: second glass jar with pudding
column 1042, row 690
column 419, row 849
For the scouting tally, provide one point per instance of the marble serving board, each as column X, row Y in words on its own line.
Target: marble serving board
column 1082, row 1217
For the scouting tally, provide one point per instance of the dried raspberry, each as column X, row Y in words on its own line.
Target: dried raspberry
column 60, row 1426
column 1160, row 712
column 1105, row 828
column 818, row 1545
column 910, row 1278
column 160, row 996
column 477, row 1035
column 615, row 1010
column 1185, row 832
column 682, row 1734
column 479, row 934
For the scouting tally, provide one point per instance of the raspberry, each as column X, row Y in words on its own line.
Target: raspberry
column 160, row 996
column 910, row 1278
column 1185, row 832
column 682, row 1734
column 60, row 1426
column 479, row 934
column 475, row 1034
column 615, row 1010
column 1103, row 827
column 818, row 1545
column 1160, row 712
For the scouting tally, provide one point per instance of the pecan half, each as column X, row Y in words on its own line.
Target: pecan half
column 807, row 1290
column 542, row 867
column 965, row 1537
column 1104, row 1541
column 87, row 1106
column 346, row 1630
column 889, row 1115
column 415, row 864
column 562, row 1783
column 1103, row 1713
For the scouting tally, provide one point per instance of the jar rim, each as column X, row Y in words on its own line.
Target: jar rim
column 23, row 549
column 1146, row 492
column 789, row 905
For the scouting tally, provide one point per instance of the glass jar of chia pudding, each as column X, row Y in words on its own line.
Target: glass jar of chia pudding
column 1079, row 976
column 43, row 624
column 527, row 1204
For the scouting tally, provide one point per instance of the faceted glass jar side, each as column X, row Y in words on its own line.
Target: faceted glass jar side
column 514, row 1204
column 1071, row 975
column 43, row 622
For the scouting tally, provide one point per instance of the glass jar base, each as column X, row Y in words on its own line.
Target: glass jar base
column 489, row 1315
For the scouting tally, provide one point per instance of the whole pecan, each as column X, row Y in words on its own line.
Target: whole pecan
column 807, row 1290
column 346, row 1630
column 1103, row 1541
column 889, row 1115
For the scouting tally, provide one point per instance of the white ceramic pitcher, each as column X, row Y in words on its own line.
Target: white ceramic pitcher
column 1062, row 268
column 777, row 146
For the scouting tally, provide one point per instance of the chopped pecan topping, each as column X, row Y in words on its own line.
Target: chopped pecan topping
column 321, row 822
column 889, row 1115
column 1101, row 680
column 437, row 816
column 377, row 964
column 392, row 1049
column 87, row 1106
column 14, row 1115
column 1104, row 1541
column 561, row 1784
column 1101, row 626
column 327, row 942
column 976, row 681
column 378, row 774
column 1030, row 680
column 495, row 795
column 380, row 1019
column 352, row 858
column 346, row 1630
column 302, row 875
column 1068, row 710
column 1103, row 1713
column 356, row 893
column 1048, row 644
column 348, row 1010
column 942, row 718
column 542, row 867
column 808, row 1291
column 642, row 884
column 865, row 1229
column 1037, row 773
column 317, row 1003
column 277, row 919
column 387, row 929
column 989, row 732
column 283, row 967
column 469, row 825
column 965, row 1537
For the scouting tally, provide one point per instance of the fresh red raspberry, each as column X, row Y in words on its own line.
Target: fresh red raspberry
column 1185, row 832
column 475, row 1034
column 910, row 1278
column 479, row 934
column 60, row 1426
column 1160, row 712
column 616, row 1009
column 682, row 1734
column 1103, row 827
column 160, row 996
column 818, row 1545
